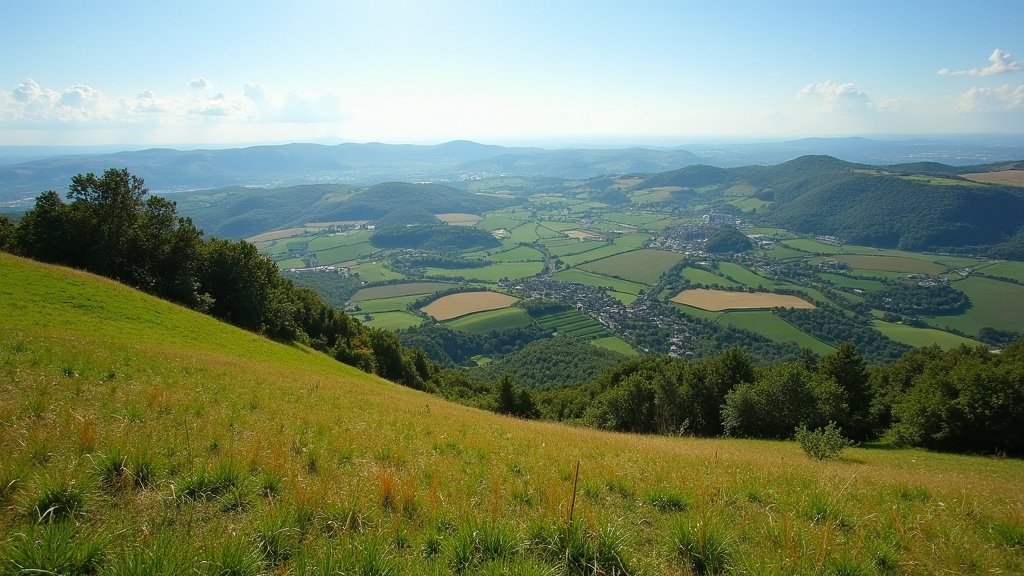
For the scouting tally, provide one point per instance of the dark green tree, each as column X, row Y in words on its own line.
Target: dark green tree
column 847, row 368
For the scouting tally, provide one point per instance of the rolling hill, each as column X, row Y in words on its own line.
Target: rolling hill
column 140, row 435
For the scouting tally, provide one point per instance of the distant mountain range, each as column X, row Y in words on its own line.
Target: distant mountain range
column 167, row 170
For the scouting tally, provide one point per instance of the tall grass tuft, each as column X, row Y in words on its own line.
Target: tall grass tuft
column 52, row 549
column 232, row 557
column 279, row 537
column 164, row 556
column 374, row 558
column 667, row 500
column 704, row 547
column 58, row 501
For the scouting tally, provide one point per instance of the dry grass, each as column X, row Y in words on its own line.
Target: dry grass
column 718, row 300
column 1007, row 177
column 370, row 474
column 459, row 218
column 455, row 305
column 581, row 235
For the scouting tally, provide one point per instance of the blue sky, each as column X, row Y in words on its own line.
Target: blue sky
column 152, row 73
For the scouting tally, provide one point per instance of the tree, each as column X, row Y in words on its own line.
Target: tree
column 846, row 367
column 7, row 231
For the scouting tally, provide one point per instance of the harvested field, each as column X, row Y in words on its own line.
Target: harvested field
column 1009, row 177
column 581, row 235
column 460, row 218
column 717, row 300
column 456, row 305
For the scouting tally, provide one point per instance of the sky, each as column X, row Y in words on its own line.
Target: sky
column 139, row 74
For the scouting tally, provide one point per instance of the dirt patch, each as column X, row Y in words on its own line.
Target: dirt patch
column 1009, row 177
column 581, row 235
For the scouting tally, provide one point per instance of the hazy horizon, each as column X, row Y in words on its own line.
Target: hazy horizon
column 615, row 73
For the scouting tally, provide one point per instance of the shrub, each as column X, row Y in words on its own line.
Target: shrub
column 822, row 443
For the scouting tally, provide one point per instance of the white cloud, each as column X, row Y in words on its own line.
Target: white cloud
column 1000, row 64
column 1005, row 97
column 199, row 83
column 836, row 97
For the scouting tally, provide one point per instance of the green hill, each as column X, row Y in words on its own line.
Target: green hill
column 140, row 437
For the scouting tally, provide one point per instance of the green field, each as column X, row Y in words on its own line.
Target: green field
column 499, row 220
column 644, row 266
column 328, row 241
column 290, row 263
column 767, row 324
column 814, row 246
column 396, row 303
column 377, row 271
column 749, row 204
column 701, row 276
column 584, row 277
column 919, row 337
column 494, row 273
column 909, row 265
column 575, row 247
column 844, row 281
column 595, row 254
column 1014, row 270
column 518, row 254
column 393, row 290
column 524, row 233
column 573, row 323
column 393, row 320
column 750, row 279
column 615, row 344
column 483, row 322
column 344, row 253
column 994, row 304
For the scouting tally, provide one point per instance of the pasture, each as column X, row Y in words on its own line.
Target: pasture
column 718, row 300
column 643, row 266
column 891, row 264
column 455, row 305
column 393, row 320
column 994, row 303
column 596, row 253
column 767, row 324
column 395, row 290
column 615, row 344
column 705, row 277
column 918, row 337
column 484, row 322
column 590, row 279
column 490, row 274
column 572, row 323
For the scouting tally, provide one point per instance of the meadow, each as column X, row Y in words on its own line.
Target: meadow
column 643, row 266
column 994, row 304
column 151, row 439
column 396, row 290
column 767, row 324
column 484, row 322
column 918, row 337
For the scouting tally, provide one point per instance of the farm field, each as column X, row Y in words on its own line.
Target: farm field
column 844, row 281
column 583, row 277
column 595, row 254
column 396, row 303
column 749, row 279
column 393, row 320
column 615, row 344
column 517, row 254
column 377, row 271
column 767, row 324
column 344, row 253
column 484, row 322
column 994, row 304
column 1006, row 269
column 918, row 337
column 1009, row 177
column 701, row 276
column 455, row 305
column 718, row 300
column 492, row 273
column 394, row 290
column 576, row 247
column 328, row 241
column 891, row 264
column 813, row 246
column 459, row 219
column 572, row 323
column 643, row 266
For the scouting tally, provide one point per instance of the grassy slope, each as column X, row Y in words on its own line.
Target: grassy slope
column 370, row 471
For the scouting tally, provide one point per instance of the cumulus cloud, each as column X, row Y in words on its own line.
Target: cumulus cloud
column 1000, row 64
column 1005, row 97
column 837, row 97
column 29, row 105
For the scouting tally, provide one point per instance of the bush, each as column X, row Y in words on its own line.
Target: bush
column 822, row 443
